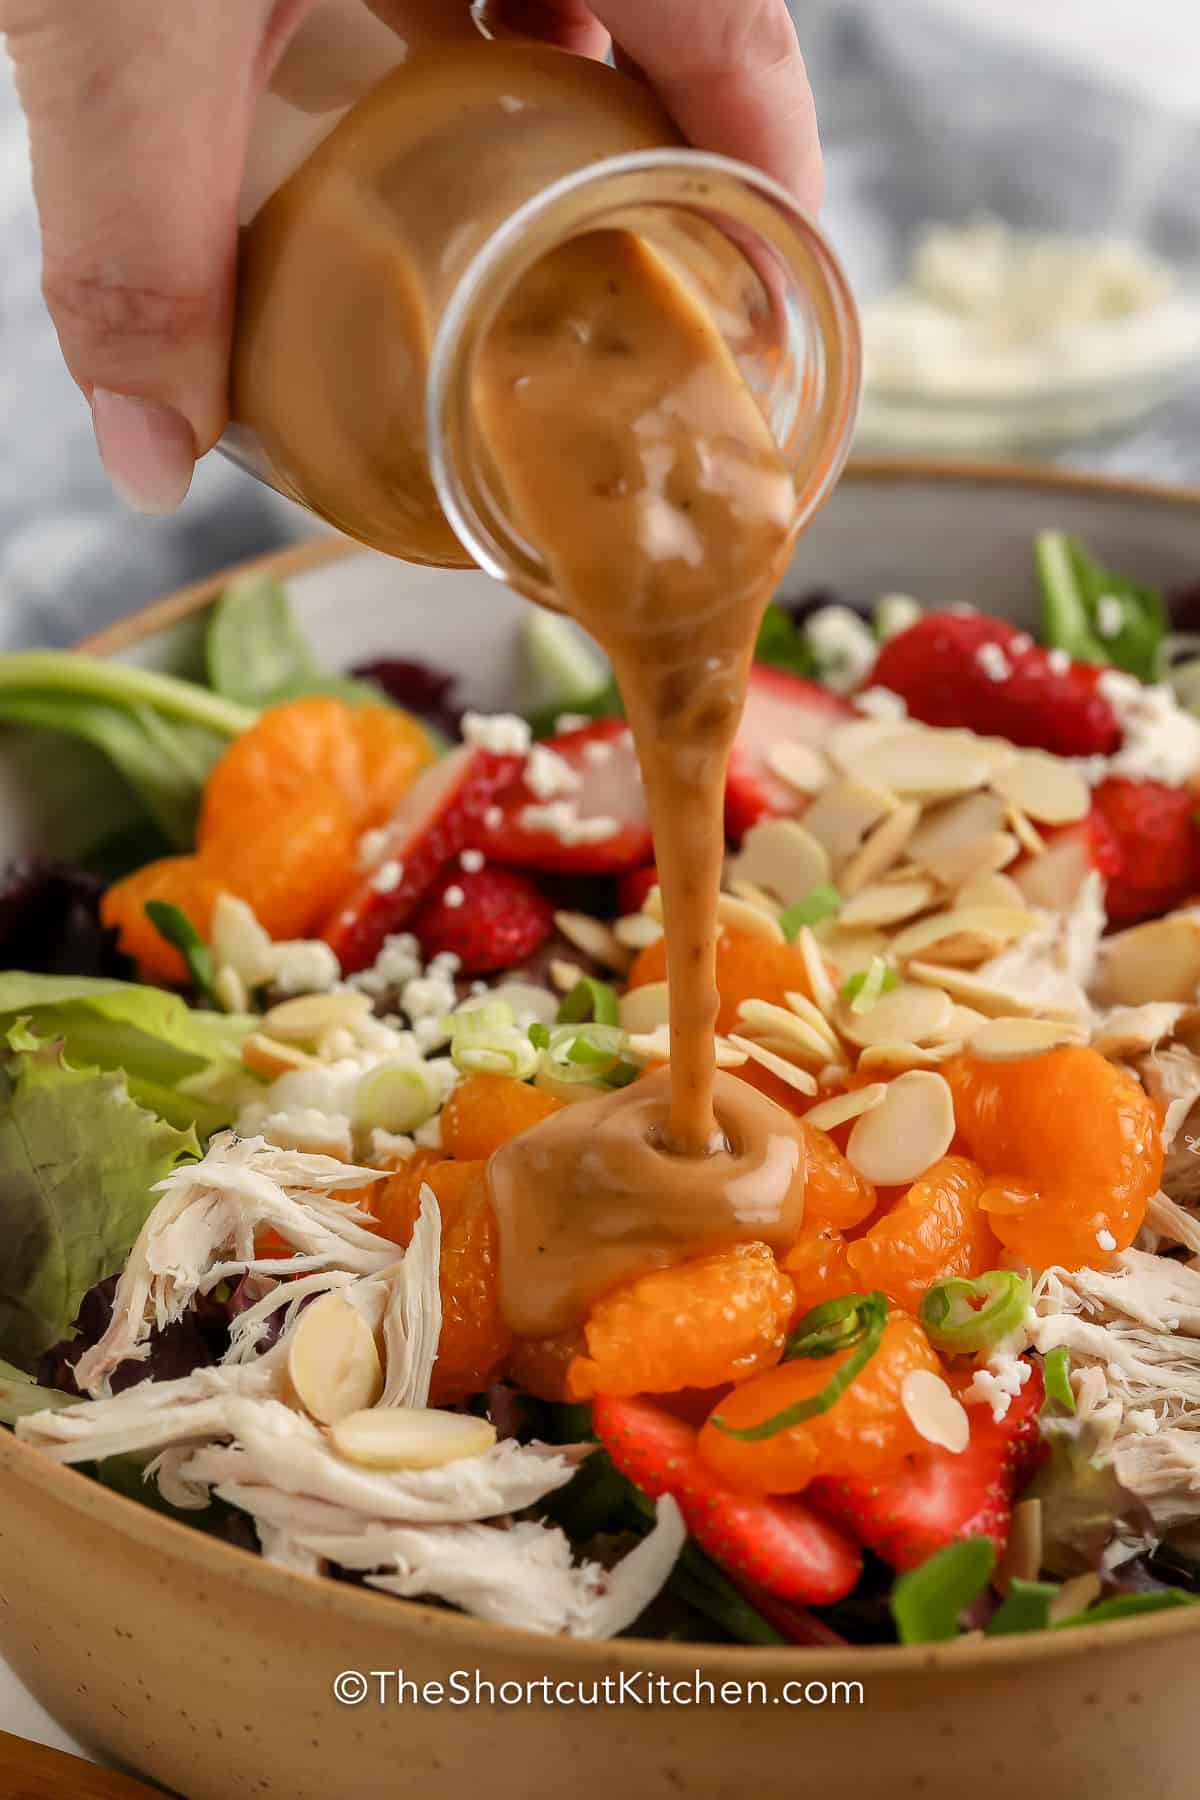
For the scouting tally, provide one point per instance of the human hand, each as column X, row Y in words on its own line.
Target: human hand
column 139, row 114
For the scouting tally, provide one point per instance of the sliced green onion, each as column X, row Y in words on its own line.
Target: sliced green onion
column 1026, row 1607
column 588, row 1000
column 961, row 1316
column 173, row 924
column 927, row 1602
column 819, row 903
column 871, row 1314
column 868, row 985
column 1056, row 1374
column 833, row 1325
column 539, row 1036
column 486, row 1040
column 396, row 1096
column 587, row 1053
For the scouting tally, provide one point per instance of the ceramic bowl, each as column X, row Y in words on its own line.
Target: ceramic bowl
column 213, row 1673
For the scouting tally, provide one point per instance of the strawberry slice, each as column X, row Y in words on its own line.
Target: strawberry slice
column 939, row 1497
column 633, row 887
column 1157, row 847
column 489, row 918
column 1073, row 852
column 964, row 668
column 780, row 709
column 783, row 1545
column 577, row 806
column 432, row 825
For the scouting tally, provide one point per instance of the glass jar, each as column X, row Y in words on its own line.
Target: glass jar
column 397, row 190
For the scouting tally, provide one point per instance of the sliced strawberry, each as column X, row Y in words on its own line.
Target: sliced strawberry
column 489, row 918
column 783, row 1545
column 583, row 812
column 431, row 826
column 780, row 709
column 1157, row 844
column 964, row 668
column 939, row 1497
column 1073, row 852
column 633, row 887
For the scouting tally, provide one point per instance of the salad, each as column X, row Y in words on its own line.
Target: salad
column 258, row 1052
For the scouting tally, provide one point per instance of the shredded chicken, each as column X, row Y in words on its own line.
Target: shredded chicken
column 1054, row 964
column 412, row 1320
column 202, row 1233
column 155, row 1415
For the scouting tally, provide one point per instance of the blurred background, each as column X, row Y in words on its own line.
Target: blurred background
column 1013, row 184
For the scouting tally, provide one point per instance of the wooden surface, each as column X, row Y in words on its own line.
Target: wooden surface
column 31, row 1772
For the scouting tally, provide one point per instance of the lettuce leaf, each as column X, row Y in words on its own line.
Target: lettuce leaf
column 151, row 1035
column 258, row 656
column 78, row 1160
column 20, row 1395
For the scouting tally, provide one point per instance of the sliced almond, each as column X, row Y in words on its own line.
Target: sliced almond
column 1134, row 1030
column 973, row 859
column 934, row 1412
column 333, row 1363
column 843, row 813
column 852, row 951
column 777, row 1065
column 655, row 1046
column 842, row 1107
column 1025, row 832
column 306, row 1018
column 750, row 921
column 645, row 1008
column 923, row 766
column 859, row 735
column 800, row 766
column 909, row 1014
column 1158, row 961
column 1075, row 1596
column 753, row 895
column 812, row 1016
column 956, row 822
column 1000, row 1040
column 963, row 1021
column 882, row 847
column 637, row 931
column 595, row 939
column 820, row 984
column 565, row 975
column 1021, row 1558
column 962, row 930
column 906, row 1133
column 268, row 1056
column 986, row 996
column 781, row 1030
column 1045, row 788
column 406, row 1437
column 991, row 889
column 886, row 903
column 230, row 990
column 888, row 1060
column 784, row 857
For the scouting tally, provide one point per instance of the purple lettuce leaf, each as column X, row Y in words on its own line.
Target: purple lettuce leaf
column 422, row 690
column 50, row 921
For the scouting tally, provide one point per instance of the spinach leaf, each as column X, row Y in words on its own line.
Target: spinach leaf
column 1097, row 616
column 927, row 1602
column 257, row 655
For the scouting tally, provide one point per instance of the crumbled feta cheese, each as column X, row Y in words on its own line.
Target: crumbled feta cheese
column 493, row 818
column 561, row 819
column 453, row 897
column 993, row 662
column 304, row 966
column 398, row 961
column 997, row 1384
column 472, row 861
column 844, row 647
column 598, row 752
column 429, row 1135
column 1160, row 741
column 1110, row 616
column 1058, row 662
column 427, row 996
column 1144, row 1420
column 371, row 847
column 570, row 722
column 548, row 775
column 880, row 703
column 1106, row 1240
column 1022, row 643
column 387, row 877
column 504, row 734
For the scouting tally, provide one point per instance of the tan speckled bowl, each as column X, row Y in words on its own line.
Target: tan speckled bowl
column 213, row 1673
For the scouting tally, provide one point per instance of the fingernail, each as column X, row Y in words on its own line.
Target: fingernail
column 148, row 451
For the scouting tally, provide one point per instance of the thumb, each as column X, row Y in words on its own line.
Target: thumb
column 138, row 118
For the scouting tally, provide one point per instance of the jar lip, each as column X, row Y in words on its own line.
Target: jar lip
column 460, row 329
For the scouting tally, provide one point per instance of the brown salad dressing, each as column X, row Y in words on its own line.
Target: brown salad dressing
column 628, row 448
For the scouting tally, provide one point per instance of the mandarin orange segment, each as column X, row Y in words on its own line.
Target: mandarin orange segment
column 539, row 1365
column 395, row 1200
column 1070, row 1147
column 748, row 968
column 714, row 1319
column 817, row 1268
column 834, row 1191
column 289, row 749
column 475, row 1340
column 935, row 1231
column 865, row 1432
column 178, row 880
column 485, row 1111
column 293, row 865
column 393, row 749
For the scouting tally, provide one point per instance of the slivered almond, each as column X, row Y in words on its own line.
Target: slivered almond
column 751, row 921
column 962, row 862
column 1133, row 1030
column 812, row 1016
column 852, row 951
column 645, row 1008
column 800, row 766
column 923, row 766
column 333, row 1363
column 909, row 1014
column 565, row 975
column 1021, row 1558
column 907, row 1132
column 991, row 889
column 406, row 1437
column 823, row 991
column 858, row 735
column 307, row 1017
column 265, row 1055
column 844, row 812
column 955, row 822
column 595, row 939
column 1158, row 961
column 753, row 895
column 230, row 990
column 655, row 1046
column 783, row 857
column 962, row 1022
column 883, row 845
column 777, row 1065
column 888, row 1060
column 987, row 997
column 636, row 931
column 1000, row 1040
column 782, row 1030
column 934, row 1412
column 843, row 1107
column 1075, row 1596
column 886, row 903
column 1045, row 788
column 1025, row 832
column 963, row 927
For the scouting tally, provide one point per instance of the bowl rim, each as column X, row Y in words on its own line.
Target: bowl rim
column 459, row 1633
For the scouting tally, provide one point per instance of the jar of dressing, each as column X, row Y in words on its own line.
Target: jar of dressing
column 400, row 186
